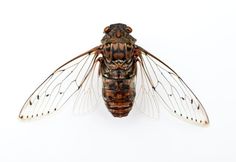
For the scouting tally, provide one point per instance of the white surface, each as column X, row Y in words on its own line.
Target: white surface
column 196, row 38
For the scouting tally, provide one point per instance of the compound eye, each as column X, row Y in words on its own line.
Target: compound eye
column 129, row 29
column 107, row 29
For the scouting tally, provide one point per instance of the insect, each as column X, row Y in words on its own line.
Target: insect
column 130, row 77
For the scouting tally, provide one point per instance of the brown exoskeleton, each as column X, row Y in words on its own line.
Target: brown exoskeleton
column 130, row 75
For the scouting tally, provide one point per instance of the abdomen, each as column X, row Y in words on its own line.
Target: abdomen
column 119, row 95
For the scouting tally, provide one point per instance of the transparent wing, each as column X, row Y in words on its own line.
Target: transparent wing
column 162, row 86
column 90, row 93
column 145, row 100
column 74, row 77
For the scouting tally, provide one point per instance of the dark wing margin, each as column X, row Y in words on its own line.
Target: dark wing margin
column 61, row 85
column 164, row 87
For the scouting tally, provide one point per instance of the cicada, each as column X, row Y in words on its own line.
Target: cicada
column 129, row 76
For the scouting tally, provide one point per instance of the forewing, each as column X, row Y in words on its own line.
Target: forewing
column 61, row 85
column 163, row 87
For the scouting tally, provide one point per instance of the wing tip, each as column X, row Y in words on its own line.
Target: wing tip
column 20, row 117
column 201, row 123
column 35, row 116
column 206, row 123
column 27, row 117
column 23, row 118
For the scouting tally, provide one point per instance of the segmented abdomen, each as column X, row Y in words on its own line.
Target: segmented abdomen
column 119, row 95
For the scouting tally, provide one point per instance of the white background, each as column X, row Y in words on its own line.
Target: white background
column 196, row 38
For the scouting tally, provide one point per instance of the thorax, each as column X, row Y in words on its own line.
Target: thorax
column 118, row 61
